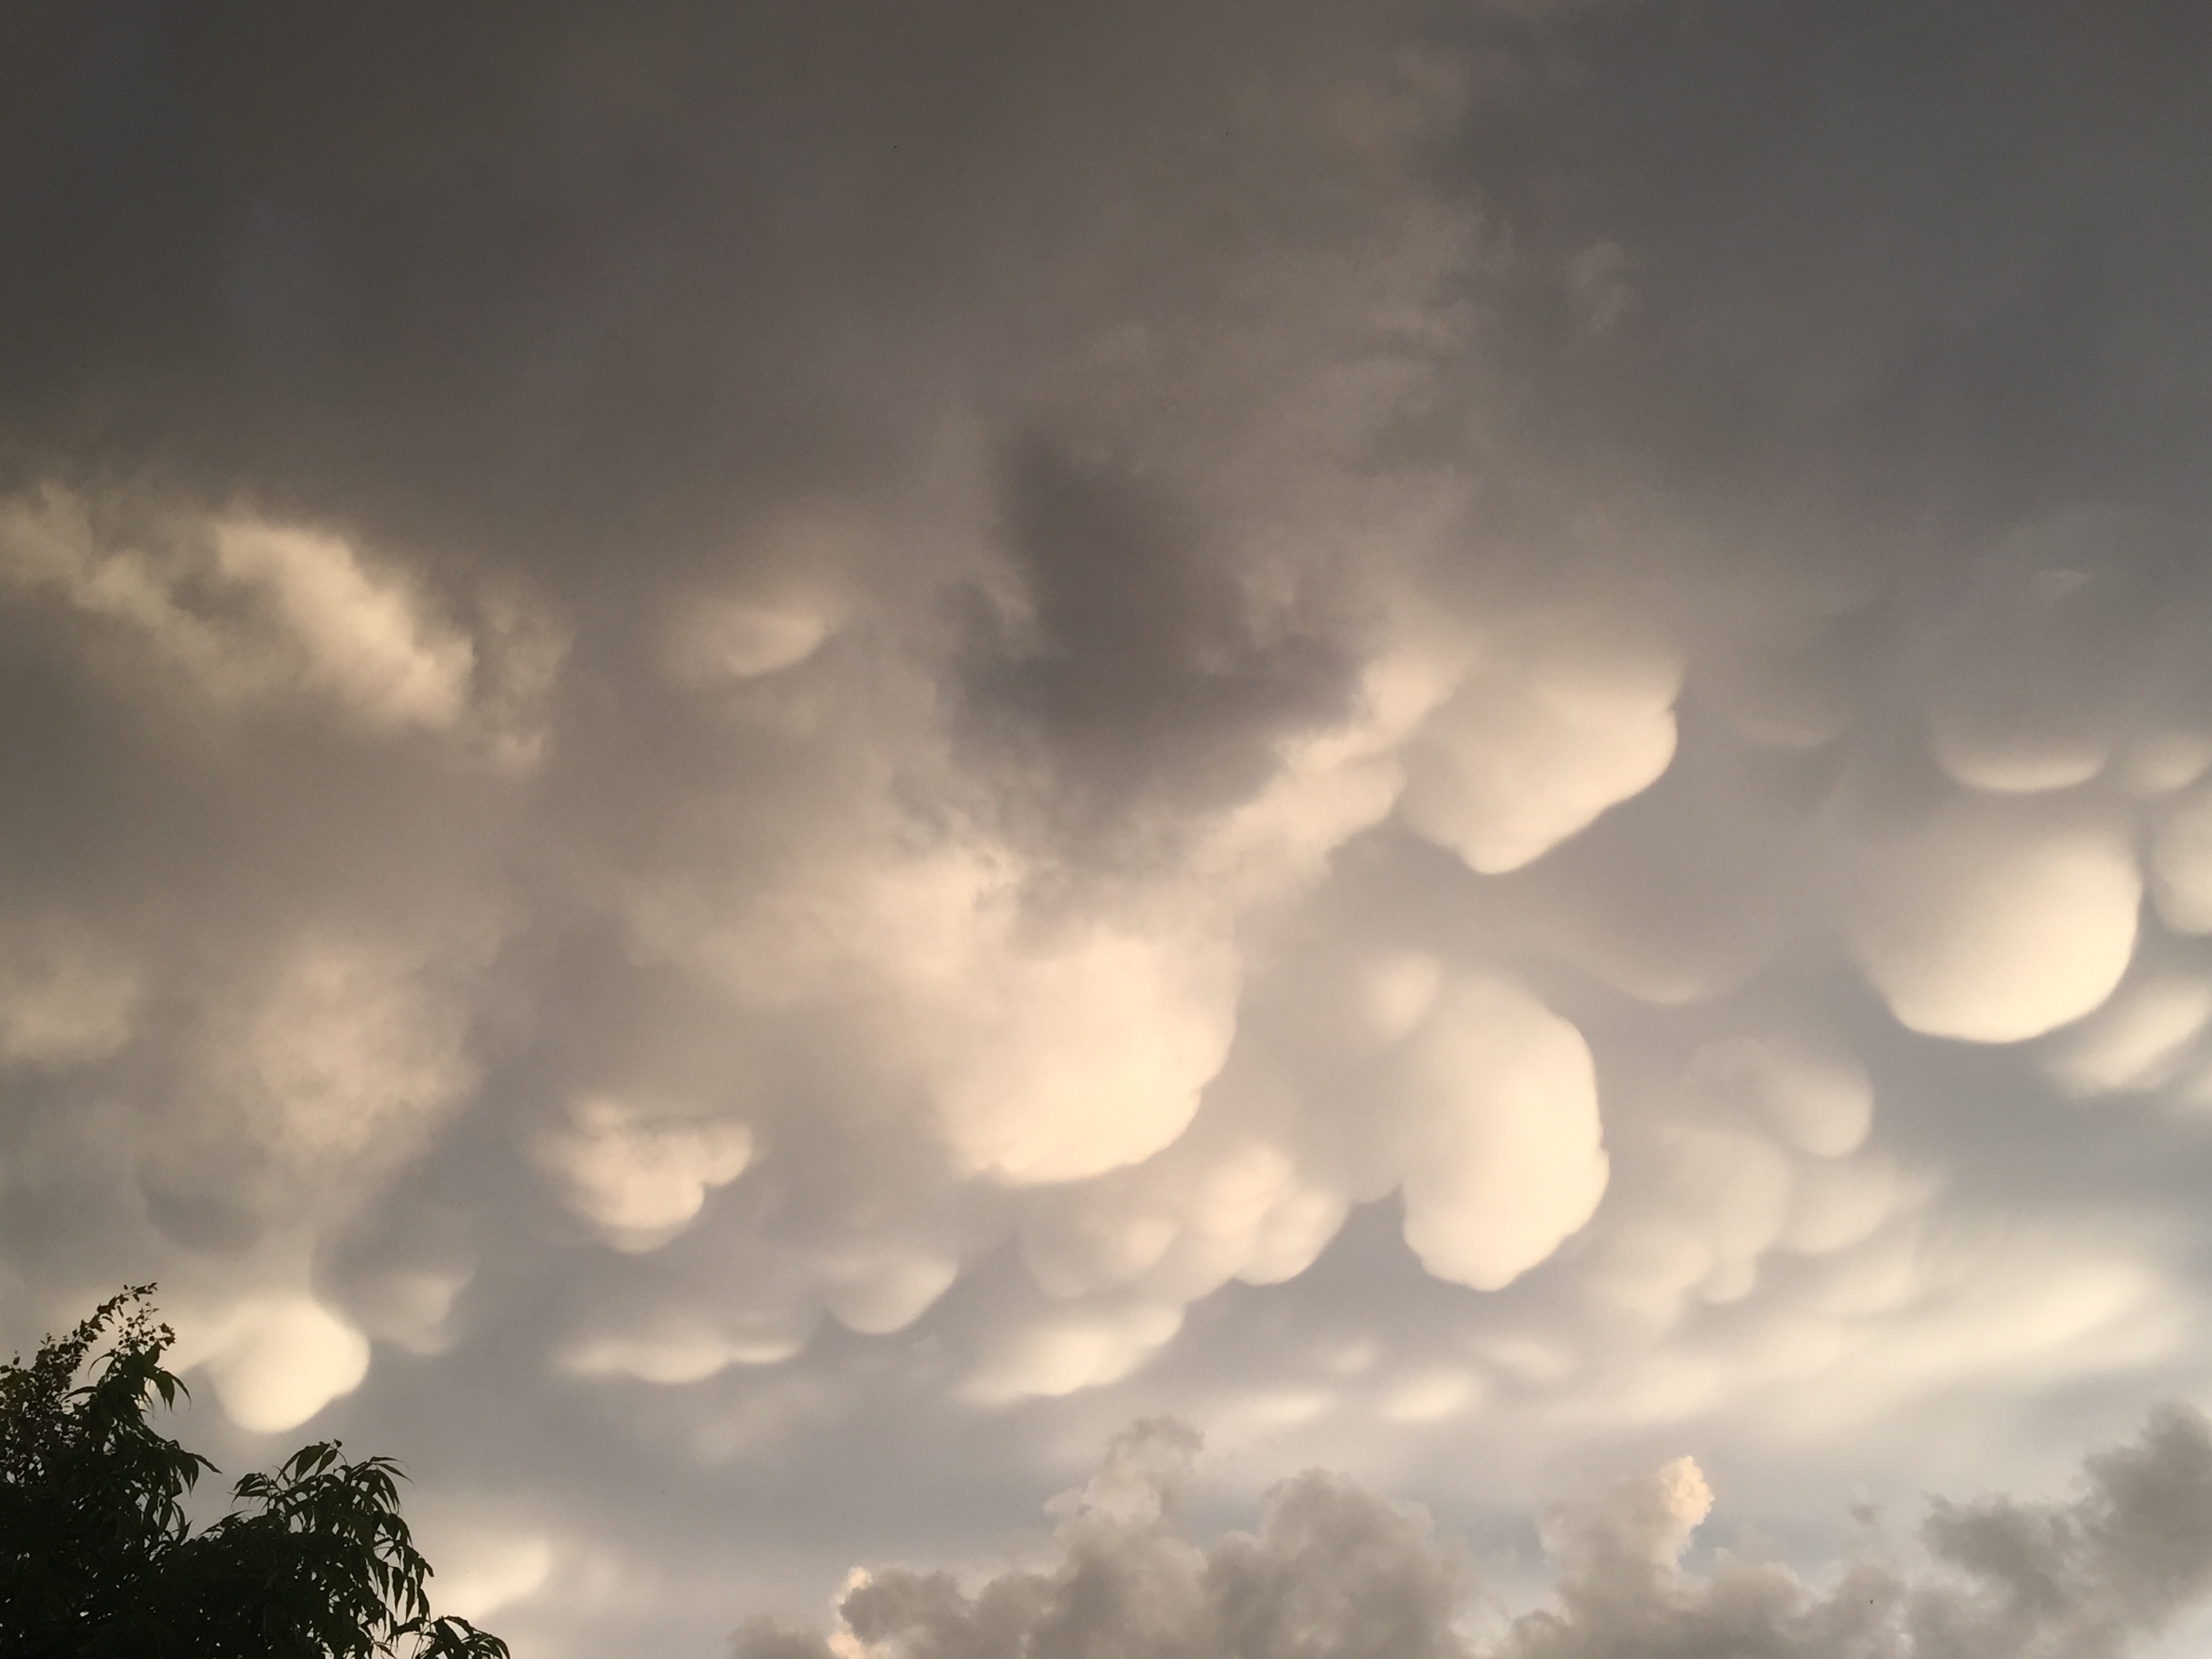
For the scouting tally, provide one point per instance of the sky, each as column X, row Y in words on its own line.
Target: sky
column 1014, row 832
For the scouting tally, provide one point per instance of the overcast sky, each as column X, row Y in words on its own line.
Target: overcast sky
column 776, row 775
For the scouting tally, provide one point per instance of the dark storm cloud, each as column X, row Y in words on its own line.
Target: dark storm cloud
column 1917, row 267
column 1134, row 673
column 527, row 281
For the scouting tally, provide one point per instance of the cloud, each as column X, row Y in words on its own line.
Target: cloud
column 2096, row 1575
column 1820, row 1105
column 1067, row 1350
column 277, row 1360
column 1994, row 926
column 2028, row 700
column 639, row 1176
column 2137, row 1041
column 1336, row 1571
column 672, row 1345
column 64, row 999
column 244, row 612
column 800, row 744
column 482, row 1571
column 364, row 638
column 1504, row 1156
column 314, row 616
column 1134, row 659
column 1526, row 752
column 1082, row 1057
column 1228, row 1204
column 1333, row 1568
column 2181, row 862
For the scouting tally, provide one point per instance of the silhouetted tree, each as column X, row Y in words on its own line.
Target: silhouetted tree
column 97, row 1558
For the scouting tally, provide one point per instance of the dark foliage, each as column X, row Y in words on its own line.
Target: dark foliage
column 97, row 1558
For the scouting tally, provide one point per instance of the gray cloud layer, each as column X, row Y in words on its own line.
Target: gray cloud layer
column 754, row 751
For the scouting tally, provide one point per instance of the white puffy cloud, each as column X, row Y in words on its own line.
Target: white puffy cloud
column 482, row 1570
column 732, row 640
column 2096, row 1574
column 1394, row 992
column 1994, row 925
column 1759, row 1148
column 348, row 1053
column 1722, row 1198
column 2158, row 760
column 671, row 1344
column 1528, row 751
column 641, row 1176
column 1836, row 1204
column 997, row 904
column 412, row 1308
column 1083, row 1056
column 877, row 1286
column 1505, row 1151
column 1233, row 1205
column 1431, row 1395
column 1905, row 1312
column 275, row 1359
column 1333, row 1568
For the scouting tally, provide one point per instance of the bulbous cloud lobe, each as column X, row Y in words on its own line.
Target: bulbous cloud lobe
column 735, row 736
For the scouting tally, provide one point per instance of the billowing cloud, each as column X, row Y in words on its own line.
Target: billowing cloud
column 1527, row 752
column 1504, row 1155
column 2096, row 1574
column 1336, row 1569
column 753, row 751
column 277, row 1360
column 639, row 1178
column 1079, row 1060
column 1993, row 927
column 243, row 612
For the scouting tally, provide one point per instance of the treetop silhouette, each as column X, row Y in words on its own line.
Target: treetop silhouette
column 97, row 1558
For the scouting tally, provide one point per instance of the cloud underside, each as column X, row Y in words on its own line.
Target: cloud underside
column 1452, row 740
column 933, row 979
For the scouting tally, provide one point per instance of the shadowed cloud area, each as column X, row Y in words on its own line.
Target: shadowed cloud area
column 761, row 761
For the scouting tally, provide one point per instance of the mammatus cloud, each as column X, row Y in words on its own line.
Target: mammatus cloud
column 1504, row 1158
column 1531, row 748
column 1337, row 1571
column 277, row 1360
column 642, row 1179
column 1993, row 926
column 750, row 750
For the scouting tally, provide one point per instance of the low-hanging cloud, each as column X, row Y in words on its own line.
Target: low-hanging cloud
column 1336, row 1571
column 746, row 738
